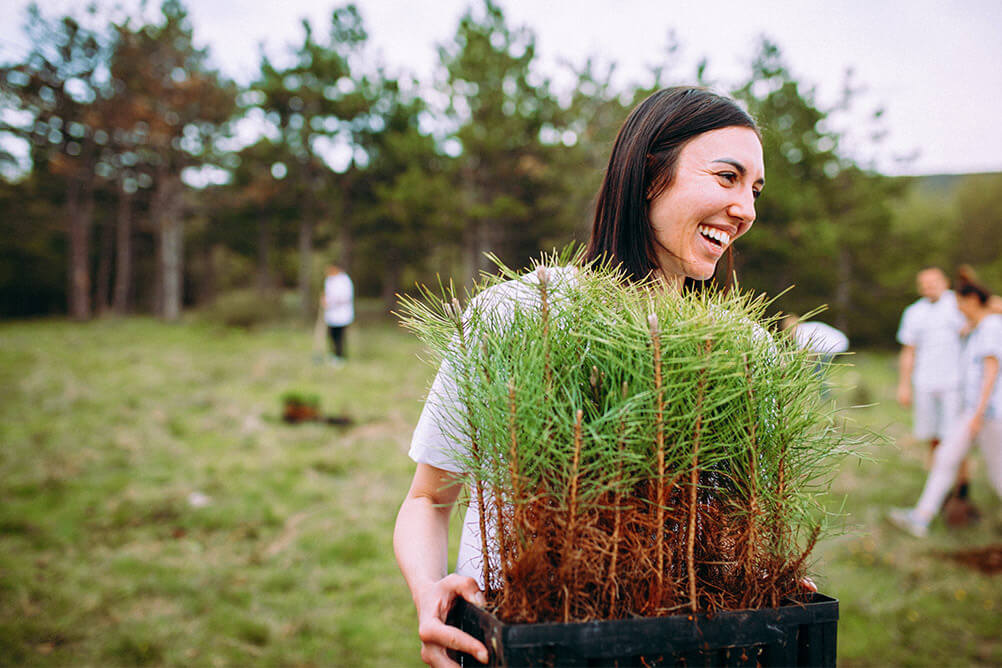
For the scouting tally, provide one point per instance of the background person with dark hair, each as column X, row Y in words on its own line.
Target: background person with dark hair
column 981, row 419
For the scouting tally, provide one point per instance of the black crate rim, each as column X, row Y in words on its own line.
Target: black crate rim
column 796, row 633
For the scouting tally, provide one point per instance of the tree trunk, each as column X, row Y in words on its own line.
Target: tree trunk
column 345, row 232
column 123, row 255
column 347, row 246
column 392, row 270
column 306, row 266
column 265, row 282
column 487, row 244
column 477, row 242
column 471, row 251
column 207, row 287
column 79, row 213
column 843, row 291
column 472, row 235
column 170, row 231
column 102, row 287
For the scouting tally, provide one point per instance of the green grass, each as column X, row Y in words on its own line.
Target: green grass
column 107, row 428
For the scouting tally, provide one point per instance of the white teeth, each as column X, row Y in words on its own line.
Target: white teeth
column 723, row 237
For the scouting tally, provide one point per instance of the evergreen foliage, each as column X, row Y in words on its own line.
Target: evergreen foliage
column 632, row 451
column 122, row 122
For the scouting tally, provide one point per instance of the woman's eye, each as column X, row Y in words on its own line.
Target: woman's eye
column 730, row 177
column 756, row 193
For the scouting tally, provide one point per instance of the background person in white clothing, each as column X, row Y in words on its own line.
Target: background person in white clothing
column 339, row 308
column 981, row 419
column 823, row 340
column 929, row 369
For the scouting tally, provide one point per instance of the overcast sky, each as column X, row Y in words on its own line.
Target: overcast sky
column 934, row 66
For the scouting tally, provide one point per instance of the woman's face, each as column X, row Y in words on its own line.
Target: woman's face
column 969, row 305
column 710, row 202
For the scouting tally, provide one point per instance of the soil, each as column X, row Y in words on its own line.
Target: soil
column 295, row 412
column 959, row 512
column 299, row 413
column 986, row 559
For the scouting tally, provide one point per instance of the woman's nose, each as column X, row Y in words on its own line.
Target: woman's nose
column 743, row 207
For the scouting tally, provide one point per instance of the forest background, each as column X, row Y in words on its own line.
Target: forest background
column 138, row 196
column 158, row 271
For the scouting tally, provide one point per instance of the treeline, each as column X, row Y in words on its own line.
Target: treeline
column 142, row 193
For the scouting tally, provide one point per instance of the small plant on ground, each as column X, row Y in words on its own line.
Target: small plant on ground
column 300, row 406
column 632, row 452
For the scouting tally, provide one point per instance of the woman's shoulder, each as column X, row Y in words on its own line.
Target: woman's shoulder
column 526, row 289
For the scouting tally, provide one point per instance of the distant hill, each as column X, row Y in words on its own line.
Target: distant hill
column 941, row 184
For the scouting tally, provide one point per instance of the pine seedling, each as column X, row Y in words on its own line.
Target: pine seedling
column 632, row 452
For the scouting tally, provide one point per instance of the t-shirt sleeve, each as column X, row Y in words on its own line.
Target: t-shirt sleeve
column 441, row 437
column 438, row 439
column 906, row 331
column 990, row 341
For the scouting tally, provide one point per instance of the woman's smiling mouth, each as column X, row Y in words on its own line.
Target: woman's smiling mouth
column 716, row 236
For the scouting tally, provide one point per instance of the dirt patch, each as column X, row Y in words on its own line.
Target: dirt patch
column 986, row 559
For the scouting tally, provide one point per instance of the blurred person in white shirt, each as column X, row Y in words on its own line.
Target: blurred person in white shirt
column 823, row 340
column 339, row 308
column 929, row 369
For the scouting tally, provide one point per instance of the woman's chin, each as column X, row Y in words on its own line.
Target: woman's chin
column 702, row 272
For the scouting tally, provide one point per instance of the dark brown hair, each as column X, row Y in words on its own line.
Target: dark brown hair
column 967, row 284
column 643, row 163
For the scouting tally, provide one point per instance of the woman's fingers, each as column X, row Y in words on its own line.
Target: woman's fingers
column 435, row 633
column 436, row 657
column 808, row 584
column 437, row 636
column 465, row 587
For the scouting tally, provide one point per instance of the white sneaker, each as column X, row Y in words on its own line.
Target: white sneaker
column 905, row 519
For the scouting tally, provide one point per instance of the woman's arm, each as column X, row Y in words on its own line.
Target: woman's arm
column 420, row 542
column 988, row 379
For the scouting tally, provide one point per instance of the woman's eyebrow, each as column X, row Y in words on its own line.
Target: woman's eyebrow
column 738, row 166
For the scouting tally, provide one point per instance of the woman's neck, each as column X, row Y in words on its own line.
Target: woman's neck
column 672, row 282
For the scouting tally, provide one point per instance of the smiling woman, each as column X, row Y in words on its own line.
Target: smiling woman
column 680, row 188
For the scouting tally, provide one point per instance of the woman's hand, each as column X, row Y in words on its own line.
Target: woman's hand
column 420, row 541
column 436, row 636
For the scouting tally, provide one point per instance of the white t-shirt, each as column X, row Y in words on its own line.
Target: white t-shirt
column 933, row 328
column 435, row 441
column 820, row 338
column 339, row 309
column 984, row 341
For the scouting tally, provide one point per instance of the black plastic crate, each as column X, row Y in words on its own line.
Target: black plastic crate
column 795, row 634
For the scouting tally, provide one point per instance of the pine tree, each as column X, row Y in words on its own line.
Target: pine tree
column 632, row 452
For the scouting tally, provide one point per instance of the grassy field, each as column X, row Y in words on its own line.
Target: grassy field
column 155, row 510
